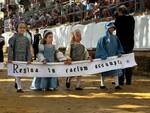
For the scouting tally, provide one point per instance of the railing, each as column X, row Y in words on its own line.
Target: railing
column 76, row 14
column 80, row 14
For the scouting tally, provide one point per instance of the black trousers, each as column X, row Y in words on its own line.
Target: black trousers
column 36, row 50
column 127, row 76
column 1, row 56
column 127, row 72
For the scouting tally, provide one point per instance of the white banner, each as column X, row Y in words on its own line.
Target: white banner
column 1, row 65
column 78, row 68
column 95, row 31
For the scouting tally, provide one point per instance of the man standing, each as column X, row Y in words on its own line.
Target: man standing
column 2, row 42
column 125, row 25
column 37, row 38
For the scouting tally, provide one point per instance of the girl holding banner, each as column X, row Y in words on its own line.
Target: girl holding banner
column 77, row 52
column 19, row 50
column 48, row 53
column 108, row 46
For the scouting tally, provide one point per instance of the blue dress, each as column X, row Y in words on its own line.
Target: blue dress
column 108, row 46
column 46, row 82
column 19, row 48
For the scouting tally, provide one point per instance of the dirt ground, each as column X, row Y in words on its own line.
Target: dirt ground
column 131, row 99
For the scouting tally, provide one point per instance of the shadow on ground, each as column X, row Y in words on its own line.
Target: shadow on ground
column 132, row 98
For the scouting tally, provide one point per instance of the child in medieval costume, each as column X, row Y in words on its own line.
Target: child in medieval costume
column 48, row 53
column 77, row 52
column 107, row 46
column 19, row 50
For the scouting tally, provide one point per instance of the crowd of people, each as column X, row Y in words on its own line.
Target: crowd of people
column 21, row 49
column 81, row 11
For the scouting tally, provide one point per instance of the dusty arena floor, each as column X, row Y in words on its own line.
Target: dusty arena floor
column 131, row 99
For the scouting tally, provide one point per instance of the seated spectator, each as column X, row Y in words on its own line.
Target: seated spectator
column 106, row 15
column 96, row 11
column 55, row 16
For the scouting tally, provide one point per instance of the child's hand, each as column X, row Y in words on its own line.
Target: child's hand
column 103, row 58
column 9, row 61
column 44, row 61
column 29, row 62
column 119, row 55
column 90, row 58
column 68, row 61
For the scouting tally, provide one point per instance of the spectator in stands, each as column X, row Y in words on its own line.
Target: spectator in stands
column 125, row 25
column 147, row 5
column 70, row 11
column 131, row 6
column 42, row 19
column 89, row 9
column 2, row 42
column 55, row 16
column 32, row 22
column 7, row 24
column 37, row 38
column 96, row 10
column 106, row 15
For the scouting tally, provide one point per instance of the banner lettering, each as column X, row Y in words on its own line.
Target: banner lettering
column 78, row 68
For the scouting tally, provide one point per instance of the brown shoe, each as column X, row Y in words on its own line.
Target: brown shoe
column 79, row 88
column 118, row 88
column 16, row 85
column 68, row 82
column 20, row 91
column 103, row 87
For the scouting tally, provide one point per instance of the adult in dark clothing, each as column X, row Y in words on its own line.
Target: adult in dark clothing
column 37, row 38
column 92, row 1
column 2, row 42
column 125, row 25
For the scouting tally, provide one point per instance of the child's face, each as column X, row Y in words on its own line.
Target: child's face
column 21, row 28
column 111, row 30
column 49, row 39
column 77, row 36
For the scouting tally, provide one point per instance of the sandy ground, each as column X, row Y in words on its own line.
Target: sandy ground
column 131, row 99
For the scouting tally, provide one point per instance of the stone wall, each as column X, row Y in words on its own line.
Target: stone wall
column 143, row 60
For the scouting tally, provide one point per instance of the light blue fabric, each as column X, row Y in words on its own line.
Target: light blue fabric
column 53, row 83
column 109, row 25
column 35, row 83
column 44, row 83
column 108, row 46
column 47, row 82
column 19, row 48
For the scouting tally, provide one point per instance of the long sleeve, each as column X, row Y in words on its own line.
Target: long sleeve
column 60, row 56
column 40, row 55
column 86, row 54
column 2, row 42
column 10, row 49
column 119, row 48
column 100, row 49
column 68, row 50
column 29, row 54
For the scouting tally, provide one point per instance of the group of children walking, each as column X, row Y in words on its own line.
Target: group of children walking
column 19, row 50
